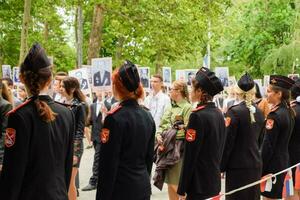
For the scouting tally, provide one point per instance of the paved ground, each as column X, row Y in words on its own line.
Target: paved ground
column 86, row 171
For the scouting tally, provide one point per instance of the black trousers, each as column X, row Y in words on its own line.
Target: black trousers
column 236, row 178
column 94, row 178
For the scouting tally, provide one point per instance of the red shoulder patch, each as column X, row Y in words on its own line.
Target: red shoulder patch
column 198, row 108
column 18, row 107
column 112, row 111
column 190, row 135
column 269, row 124
column 10, row 137
column 104, row 135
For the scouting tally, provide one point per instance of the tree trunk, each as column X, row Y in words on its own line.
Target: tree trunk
column 119, row 49
column 159, row 63
column 24, row 33
column 96, row 33
column 79, row 35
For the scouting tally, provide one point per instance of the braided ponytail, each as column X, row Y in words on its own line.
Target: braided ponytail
column 248, row 98
column 35, row 81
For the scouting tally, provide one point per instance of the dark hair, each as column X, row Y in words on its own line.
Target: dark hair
column 158, row 76
column 71, row 83
column 257, row 92
column 205, row 97
column 35, row 81
column 122, row 91
column 285, row 98
column 9, row 81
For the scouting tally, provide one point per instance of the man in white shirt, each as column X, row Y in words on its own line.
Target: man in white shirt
column 157, row 102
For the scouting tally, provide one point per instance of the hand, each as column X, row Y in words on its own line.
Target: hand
column 0, row 168
column 75, row 160
column 181, row 197
column 159, row 139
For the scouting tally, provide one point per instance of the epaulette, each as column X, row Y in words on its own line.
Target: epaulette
column 65, row 104
column 18, row 107
column 274, row 108
column 198, row 108
column 112, row 111
column 144, row 107
column 234, row 105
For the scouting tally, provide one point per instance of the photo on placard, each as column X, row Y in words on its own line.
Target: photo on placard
column 82, row 76
column 101, row 73
column 266, row 80
column 180, row 75
column 144, row 73
column 6, row 71
column 294, row 76
column 16, row 72
column 260, row 86
column 167, row 75
column 223, row 74
column 231, row 81
column 189, row 75
column 89, row 71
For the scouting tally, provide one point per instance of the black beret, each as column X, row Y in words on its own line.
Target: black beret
column 208, row 81
column 281, row 81
column 296, row 88
column 129, row 76
column 246, row 83
column 36, row 59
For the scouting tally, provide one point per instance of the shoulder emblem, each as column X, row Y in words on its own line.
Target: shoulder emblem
column 18, row 107
column 269, row 124
column 227, row 121
column 112, row 111
column 190, row 135
column 198, row 108
column 104, row 135
column 10, row 137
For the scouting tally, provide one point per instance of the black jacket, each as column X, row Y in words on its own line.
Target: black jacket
column 278, row 130
column 294, row 146
column 127, row 148
column 205, row 138
column 241, row 147
column 96, row 121
column 38, row 155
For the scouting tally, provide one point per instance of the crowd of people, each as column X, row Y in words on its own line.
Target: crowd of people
column 195, row 134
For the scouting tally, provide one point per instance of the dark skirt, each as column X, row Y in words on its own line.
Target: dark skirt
column 236, row 178
column 276, row 192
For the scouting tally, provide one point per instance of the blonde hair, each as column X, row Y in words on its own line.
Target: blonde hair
column 248, row 97
column 183, row 89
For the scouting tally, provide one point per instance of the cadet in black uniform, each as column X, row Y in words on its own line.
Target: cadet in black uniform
column 205, row 138
column 294, row 145
column 38, row 140
column 278, row 130
column 241, row 158
column 127, row 140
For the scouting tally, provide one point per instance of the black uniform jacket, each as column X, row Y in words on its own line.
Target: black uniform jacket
column 205, row 138
column 38, row 155
column 95, row 119
column 294, row 146
column 241, row 147
column 279, row 126
column 126, row 155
